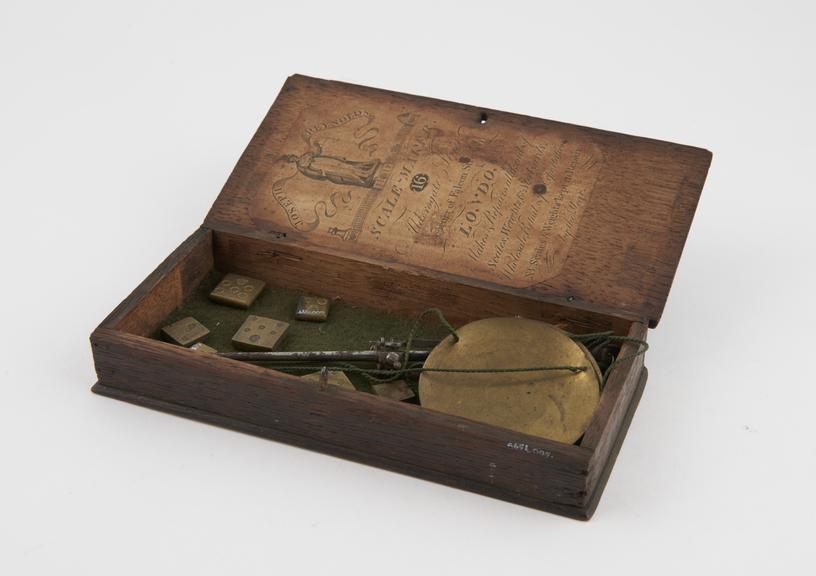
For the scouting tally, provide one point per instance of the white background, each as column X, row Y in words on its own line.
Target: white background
column 120, row 123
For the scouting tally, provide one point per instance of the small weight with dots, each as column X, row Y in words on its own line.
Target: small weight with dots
column 238, row 291
column 185, row 332
column 259, row 333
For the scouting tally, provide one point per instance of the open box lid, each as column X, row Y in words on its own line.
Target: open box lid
column 551, row 211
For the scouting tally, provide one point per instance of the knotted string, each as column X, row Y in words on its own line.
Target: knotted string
column 601, row 339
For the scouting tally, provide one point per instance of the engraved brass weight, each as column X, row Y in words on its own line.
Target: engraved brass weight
column 557, row 405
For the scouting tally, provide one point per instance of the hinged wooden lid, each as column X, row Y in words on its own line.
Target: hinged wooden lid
column 556, row 212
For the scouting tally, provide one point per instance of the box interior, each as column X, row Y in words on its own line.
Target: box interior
column 369, row 300
column 348, row 327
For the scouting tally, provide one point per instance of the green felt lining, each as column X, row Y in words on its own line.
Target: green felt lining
column 348, row 327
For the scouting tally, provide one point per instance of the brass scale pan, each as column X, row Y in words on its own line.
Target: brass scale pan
column 557, row 405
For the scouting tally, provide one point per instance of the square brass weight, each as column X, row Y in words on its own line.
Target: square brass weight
column 259, row 333
column 335, row 378
column 312, row 308
column 185, row 332
column 236, row 290
column 397, row 390
column 201, row 347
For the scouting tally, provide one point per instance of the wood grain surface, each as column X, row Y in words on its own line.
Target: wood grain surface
column 535, row 472
column 561, row 213
column 401, row 203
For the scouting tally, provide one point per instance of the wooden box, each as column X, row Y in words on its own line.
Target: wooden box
column 399, row 203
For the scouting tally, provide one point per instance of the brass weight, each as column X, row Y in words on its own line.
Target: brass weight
column 557, row 405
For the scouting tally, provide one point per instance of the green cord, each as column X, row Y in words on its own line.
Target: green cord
column 380, row 375
column 340, row 367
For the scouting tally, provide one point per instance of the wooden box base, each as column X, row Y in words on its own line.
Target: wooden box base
column 580, row 513
column 560, row 478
